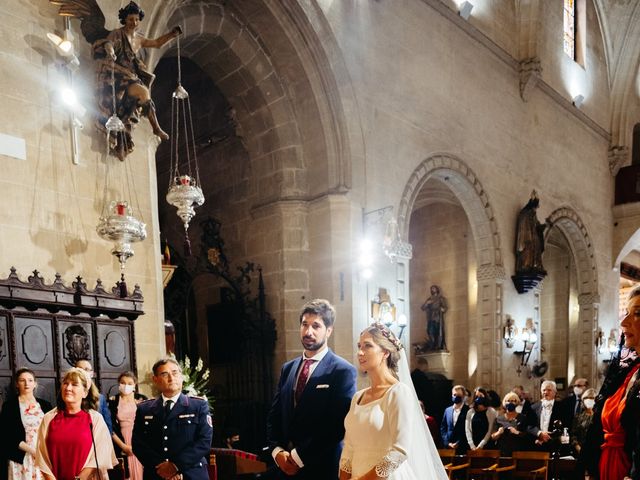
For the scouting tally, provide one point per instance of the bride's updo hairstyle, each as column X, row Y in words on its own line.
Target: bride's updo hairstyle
column 385, row 339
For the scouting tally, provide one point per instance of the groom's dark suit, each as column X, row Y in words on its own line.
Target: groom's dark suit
column 315, row 426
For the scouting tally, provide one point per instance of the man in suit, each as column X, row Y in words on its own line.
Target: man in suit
column 305, row 426
column 452, row 426
column 572, row 405
column 525, row 405
column 546, row 418
column 172, row 433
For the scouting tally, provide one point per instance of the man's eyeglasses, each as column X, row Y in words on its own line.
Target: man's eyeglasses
column 173, row 373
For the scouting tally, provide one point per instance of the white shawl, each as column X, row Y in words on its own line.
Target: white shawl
column 104, row 446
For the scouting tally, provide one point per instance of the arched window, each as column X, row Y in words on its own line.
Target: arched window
column 574, row 30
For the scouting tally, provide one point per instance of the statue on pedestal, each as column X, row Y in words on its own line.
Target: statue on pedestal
column 435, row 307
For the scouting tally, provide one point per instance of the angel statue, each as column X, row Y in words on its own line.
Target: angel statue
column 118, row 51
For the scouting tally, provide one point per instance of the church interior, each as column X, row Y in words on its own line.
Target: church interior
column 362, row 151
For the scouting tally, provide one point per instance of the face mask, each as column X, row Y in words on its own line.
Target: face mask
column 479, row 401
column 456, row 399
column 519, row 408
column 578, row 391
column 589, row 403
column 511, row 407
column 126, row 389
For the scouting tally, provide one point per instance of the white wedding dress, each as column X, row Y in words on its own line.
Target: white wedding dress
column 390, row 434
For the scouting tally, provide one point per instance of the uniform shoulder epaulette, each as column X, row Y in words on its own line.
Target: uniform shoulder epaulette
column 112, row 398
column 148, row 400
column 197, row 397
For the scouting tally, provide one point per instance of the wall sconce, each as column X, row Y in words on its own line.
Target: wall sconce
column 402, row 324
column 510, row 332
column 465, row 10
column 612, row 345
column 384, row 311
column 578, row 100
column 601, row 345
column 529, row 337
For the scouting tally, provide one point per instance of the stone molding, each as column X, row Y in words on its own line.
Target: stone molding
column 571, row 225
column 530, row 72
column 491, row 272
column 617, row 155
column 588, row 299
column 467, row 188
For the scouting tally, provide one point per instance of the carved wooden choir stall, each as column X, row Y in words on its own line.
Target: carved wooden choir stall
column 49, row 327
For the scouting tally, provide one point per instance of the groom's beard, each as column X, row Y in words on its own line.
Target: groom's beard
column 313, row 347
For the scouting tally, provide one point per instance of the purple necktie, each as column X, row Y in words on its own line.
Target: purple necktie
column 302, row 379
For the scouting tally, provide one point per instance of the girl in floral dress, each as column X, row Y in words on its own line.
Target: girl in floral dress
column 19, row 422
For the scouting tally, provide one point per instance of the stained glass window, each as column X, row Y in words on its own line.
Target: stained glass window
column 570, row 28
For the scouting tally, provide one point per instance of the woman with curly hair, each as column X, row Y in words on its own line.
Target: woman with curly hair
column 73, row 437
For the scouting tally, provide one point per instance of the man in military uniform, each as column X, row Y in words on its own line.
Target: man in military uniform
column 172, row 433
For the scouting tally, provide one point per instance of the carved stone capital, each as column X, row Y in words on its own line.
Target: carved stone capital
column 530, row 72
column 491, row 272
column 588, row 299
column 617, row 155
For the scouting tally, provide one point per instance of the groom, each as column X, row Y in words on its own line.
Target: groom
column 305, row 426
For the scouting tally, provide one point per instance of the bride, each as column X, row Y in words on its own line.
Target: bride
column 386, row 434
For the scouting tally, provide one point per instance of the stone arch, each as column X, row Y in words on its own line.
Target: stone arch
column 280, row 78
column 574, row 230
column 468, row 190
column 280, row 68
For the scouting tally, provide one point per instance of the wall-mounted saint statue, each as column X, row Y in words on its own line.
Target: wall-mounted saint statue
column 529, row 239
column 118, row 51
column 529, row 247
column 435, row 306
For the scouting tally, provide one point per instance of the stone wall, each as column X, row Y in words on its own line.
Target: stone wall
column 51, row 206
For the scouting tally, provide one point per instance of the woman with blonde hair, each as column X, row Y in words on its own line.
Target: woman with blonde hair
column 385, row 432
column 73, row 439
column 509, row 433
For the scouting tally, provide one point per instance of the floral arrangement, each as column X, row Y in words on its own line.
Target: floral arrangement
column 195, row 380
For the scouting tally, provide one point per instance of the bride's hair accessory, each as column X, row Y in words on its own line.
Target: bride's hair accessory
column 388, row 334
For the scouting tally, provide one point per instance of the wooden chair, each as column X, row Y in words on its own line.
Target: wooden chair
column 452, row 465
column 212, row 468
column 482, row 463
column 529, row 465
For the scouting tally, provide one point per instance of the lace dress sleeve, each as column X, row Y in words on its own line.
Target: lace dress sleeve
column 401, row 416
column 347, row 449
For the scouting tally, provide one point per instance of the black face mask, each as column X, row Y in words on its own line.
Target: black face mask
column 456, row 399
column 480, row 401
column 511, row 407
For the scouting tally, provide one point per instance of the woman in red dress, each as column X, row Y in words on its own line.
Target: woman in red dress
column 613, row 444
column 69, row 432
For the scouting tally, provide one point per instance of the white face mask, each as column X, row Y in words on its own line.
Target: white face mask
column 578, row 391
column 126, row 389
column 589, row 403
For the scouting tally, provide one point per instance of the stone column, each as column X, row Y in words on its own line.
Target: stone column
column 488, row 329
column 587, row 321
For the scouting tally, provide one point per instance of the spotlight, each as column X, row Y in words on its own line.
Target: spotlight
column 64, row 47
column 71, row 101
column 577, row 100
column 465, row 10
